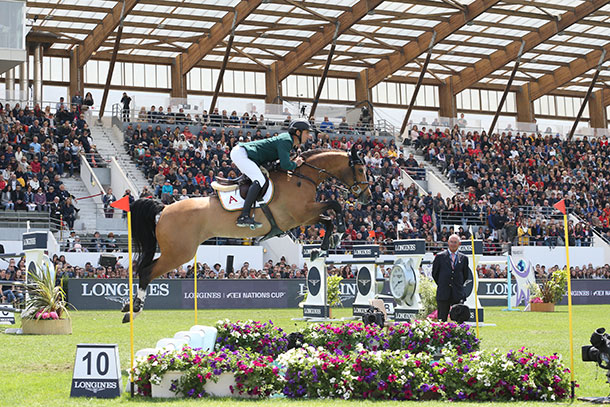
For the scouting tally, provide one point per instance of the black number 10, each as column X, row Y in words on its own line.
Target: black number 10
column 98, row 366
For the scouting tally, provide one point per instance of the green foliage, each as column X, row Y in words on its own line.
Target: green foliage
column 553, row 289
column 44, row 297
column 427, row 292
column 332, row 291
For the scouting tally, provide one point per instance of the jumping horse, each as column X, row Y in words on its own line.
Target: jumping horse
column 181, row 227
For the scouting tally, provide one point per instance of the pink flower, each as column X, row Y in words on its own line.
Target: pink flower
column 54, row 315
column 45, row 315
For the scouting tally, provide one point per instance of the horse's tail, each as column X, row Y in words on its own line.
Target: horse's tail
column 143, row 215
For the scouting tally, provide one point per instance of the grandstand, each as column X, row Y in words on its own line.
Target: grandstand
column 472, row 115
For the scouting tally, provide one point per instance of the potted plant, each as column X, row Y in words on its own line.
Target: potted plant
column 46, row 308
column 333, row 293
column 550, row 292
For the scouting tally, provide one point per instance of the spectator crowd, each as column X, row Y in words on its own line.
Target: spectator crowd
column 37, row 148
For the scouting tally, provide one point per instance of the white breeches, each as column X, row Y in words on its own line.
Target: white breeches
column 248, row 167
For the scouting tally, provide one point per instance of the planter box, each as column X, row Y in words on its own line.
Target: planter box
column 162, row 390
column 542, row 307
column 47, row 326
column 222, row 387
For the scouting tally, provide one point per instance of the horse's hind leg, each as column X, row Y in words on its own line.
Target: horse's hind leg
column 162, row 265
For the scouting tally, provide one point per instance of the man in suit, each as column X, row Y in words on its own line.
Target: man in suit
column 450, row 270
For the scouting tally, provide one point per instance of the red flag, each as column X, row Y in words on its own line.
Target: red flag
column 561, row 206
column 122, row 203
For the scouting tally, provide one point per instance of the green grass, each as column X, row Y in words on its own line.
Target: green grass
column 37, row 370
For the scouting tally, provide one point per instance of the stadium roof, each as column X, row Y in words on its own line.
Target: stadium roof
column 476, row 40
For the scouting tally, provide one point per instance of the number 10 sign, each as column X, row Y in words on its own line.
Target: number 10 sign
column 97, row 372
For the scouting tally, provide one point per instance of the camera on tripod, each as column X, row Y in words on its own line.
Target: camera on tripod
column 599, row 350
column 373, row 316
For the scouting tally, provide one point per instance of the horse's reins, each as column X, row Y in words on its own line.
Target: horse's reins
column 355, row 188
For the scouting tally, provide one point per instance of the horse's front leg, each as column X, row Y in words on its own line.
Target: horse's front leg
column 336, row 207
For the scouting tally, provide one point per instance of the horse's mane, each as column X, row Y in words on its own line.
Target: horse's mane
column 310, row 153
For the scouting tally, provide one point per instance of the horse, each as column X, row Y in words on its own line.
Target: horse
column 179, row 228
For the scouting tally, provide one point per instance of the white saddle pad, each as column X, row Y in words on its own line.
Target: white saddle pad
column 232, row 200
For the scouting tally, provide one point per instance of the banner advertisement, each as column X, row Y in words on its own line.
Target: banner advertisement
column 91, row 294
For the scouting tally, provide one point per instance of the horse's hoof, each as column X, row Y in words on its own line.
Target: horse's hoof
column 126, row 318
column 318, row 253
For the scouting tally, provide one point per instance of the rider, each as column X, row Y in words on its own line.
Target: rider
column 248, row 156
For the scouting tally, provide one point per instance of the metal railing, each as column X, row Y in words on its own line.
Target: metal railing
column 417, row 173
column 273, row 122
column 21, row 219
column 118, row 242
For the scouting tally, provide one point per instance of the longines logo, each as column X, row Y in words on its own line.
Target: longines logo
column 119, row 292
column 314, row 282
column 94, row 386
column 363, row 281
column 405, row 247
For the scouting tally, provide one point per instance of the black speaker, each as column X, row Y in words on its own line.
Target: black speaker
column 107, row 261
column 229, row 268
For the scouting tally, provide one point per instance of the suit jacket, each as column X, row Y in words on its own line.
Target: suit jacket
column 450, row 280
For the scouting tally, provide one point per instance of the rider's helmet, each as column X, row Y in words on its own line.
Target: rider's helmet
column 299, row 124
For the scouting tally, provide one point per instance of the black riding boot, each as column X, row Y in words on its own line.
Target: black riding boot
column 245, row 220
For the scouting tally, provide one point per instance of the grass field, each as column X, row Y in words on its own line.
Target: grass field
column 37, row 371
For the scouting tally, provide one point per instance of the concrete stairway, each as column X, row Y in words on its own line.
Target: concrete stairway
column 86, row 218
column 407, row 150
column 108, row 145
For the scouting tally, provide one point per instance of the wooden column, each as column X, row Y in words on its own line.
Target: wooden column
column 272, row 85
column 178, row 89
column 525, row 106
column 597, row 110
column 446, row 99
column 77, row 78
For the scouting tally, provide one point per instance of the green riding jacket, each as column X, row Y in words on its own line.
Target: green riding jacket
column 271, row 149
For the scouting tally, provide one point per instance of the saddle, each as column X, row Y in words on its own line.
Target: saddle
column 242, row 183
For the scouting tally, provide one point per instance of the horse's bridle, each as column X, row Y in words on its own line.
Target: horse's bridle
column 355, row 188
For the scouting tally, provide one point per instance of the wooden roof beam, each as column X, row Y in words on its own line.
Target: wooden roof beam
column 469, row 76
column 310, row 47
column 102, row 31
column 218, row 32
column 564, row 75
column 413, row 49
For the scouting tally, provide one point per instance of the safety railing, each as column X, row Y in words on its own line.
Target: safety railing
column 34, row 219
column 417, row 173
column 271, row 123
column 111, row 242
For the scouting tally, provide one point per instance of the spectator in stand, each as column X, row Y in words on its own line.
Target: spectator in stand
column 126, row 101
column 107, row 199
column 77, row 100
column 88, row 102
column 327, row 126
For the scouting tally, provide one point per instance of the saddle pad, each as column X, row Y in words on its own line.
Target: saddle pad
column 232, row 200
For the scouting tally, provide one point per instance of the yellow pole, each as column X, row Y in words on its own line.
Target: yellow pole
column 475, row 287
column 130, row 299
column 195, row 283
column 567, row 242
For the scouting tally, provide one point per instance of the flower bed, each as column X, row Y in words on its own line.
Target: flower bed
column 260, row 337
column 419, row 336
column 254, row 373
column 418, row 361
column 396, row 375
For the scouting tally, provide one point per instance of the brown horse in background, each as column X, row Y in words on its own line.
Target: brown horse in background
column 181, row 227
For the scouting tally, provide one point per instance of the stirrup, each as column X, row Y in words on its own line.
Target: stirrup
column 248, row 222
